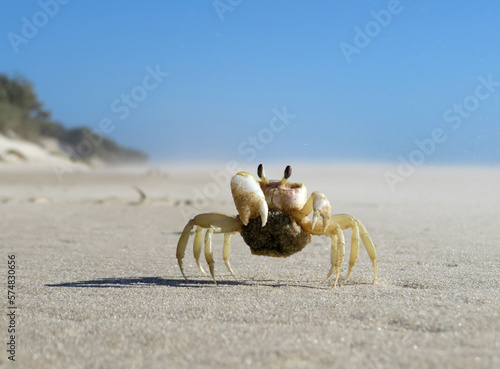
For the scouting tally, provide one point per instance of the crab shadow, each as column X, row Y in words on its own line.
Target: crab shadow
column 141, row 282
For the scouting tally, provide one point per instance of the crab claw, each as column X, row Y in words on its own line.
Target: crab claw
column 248, row 198
column 322, row 208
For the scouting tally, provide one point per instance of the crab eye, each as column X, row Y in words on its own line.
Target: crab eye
column 288, row 171
column 260, row 171
column 262, row 175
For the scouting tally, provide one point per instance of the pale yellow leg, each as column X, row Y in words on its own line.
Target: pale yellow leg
column 226, row 251
column 337, row 223
column 370, row 248
column 215, row 223
column 354, row 251
column 208, row 252
column 359, row 231
column 181, row 245
column 333, row 256
column 337, row 253
column 198, row 243
column 340, row 253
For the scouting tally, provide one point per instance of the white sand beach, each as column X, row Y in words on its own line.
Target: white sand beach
column 98, row 285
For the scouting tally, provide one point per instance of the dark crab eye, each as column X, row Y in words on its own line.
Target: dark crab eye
column 260, row 170
column 288, row 171
column 262, row 175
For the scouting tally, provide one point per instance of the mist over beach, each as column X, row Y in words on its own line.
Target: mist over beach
column 120, row 123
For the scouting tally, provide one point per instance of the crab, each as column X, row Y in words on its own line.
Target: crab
column 274, row 220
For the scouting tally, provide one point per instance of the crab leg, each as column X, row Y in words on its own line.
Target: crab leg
column 208, row 251
column 333, row 256
column 370, row 248
column 225, row 252
column 181, row 245
column 214, row 223
column 337, row 254
column 354, row 251
column 358, row 231
column 198, row 242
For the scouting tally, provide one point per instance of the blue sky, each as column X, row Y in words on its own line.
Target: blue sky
column 358, row 80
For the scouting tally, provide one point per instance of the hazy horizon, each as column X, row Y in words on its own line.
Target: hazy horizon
column 379, row 81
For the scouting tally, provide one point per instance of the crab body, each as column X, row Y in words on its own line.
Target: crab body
column 273, row 219
column 280, row 237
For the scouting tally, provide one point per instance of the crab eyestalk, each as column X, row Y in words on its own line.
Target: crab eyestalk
column 287, row 174
column 261, row 174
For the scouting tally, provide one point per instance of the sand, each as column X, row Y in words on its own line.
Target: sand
column 98, row 284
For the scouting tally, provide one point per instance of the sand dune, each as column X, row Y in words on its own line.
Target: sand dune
column 20, row 151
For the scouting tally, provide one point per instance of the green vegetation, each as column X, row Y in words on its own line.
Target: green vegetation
column 22, row 116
